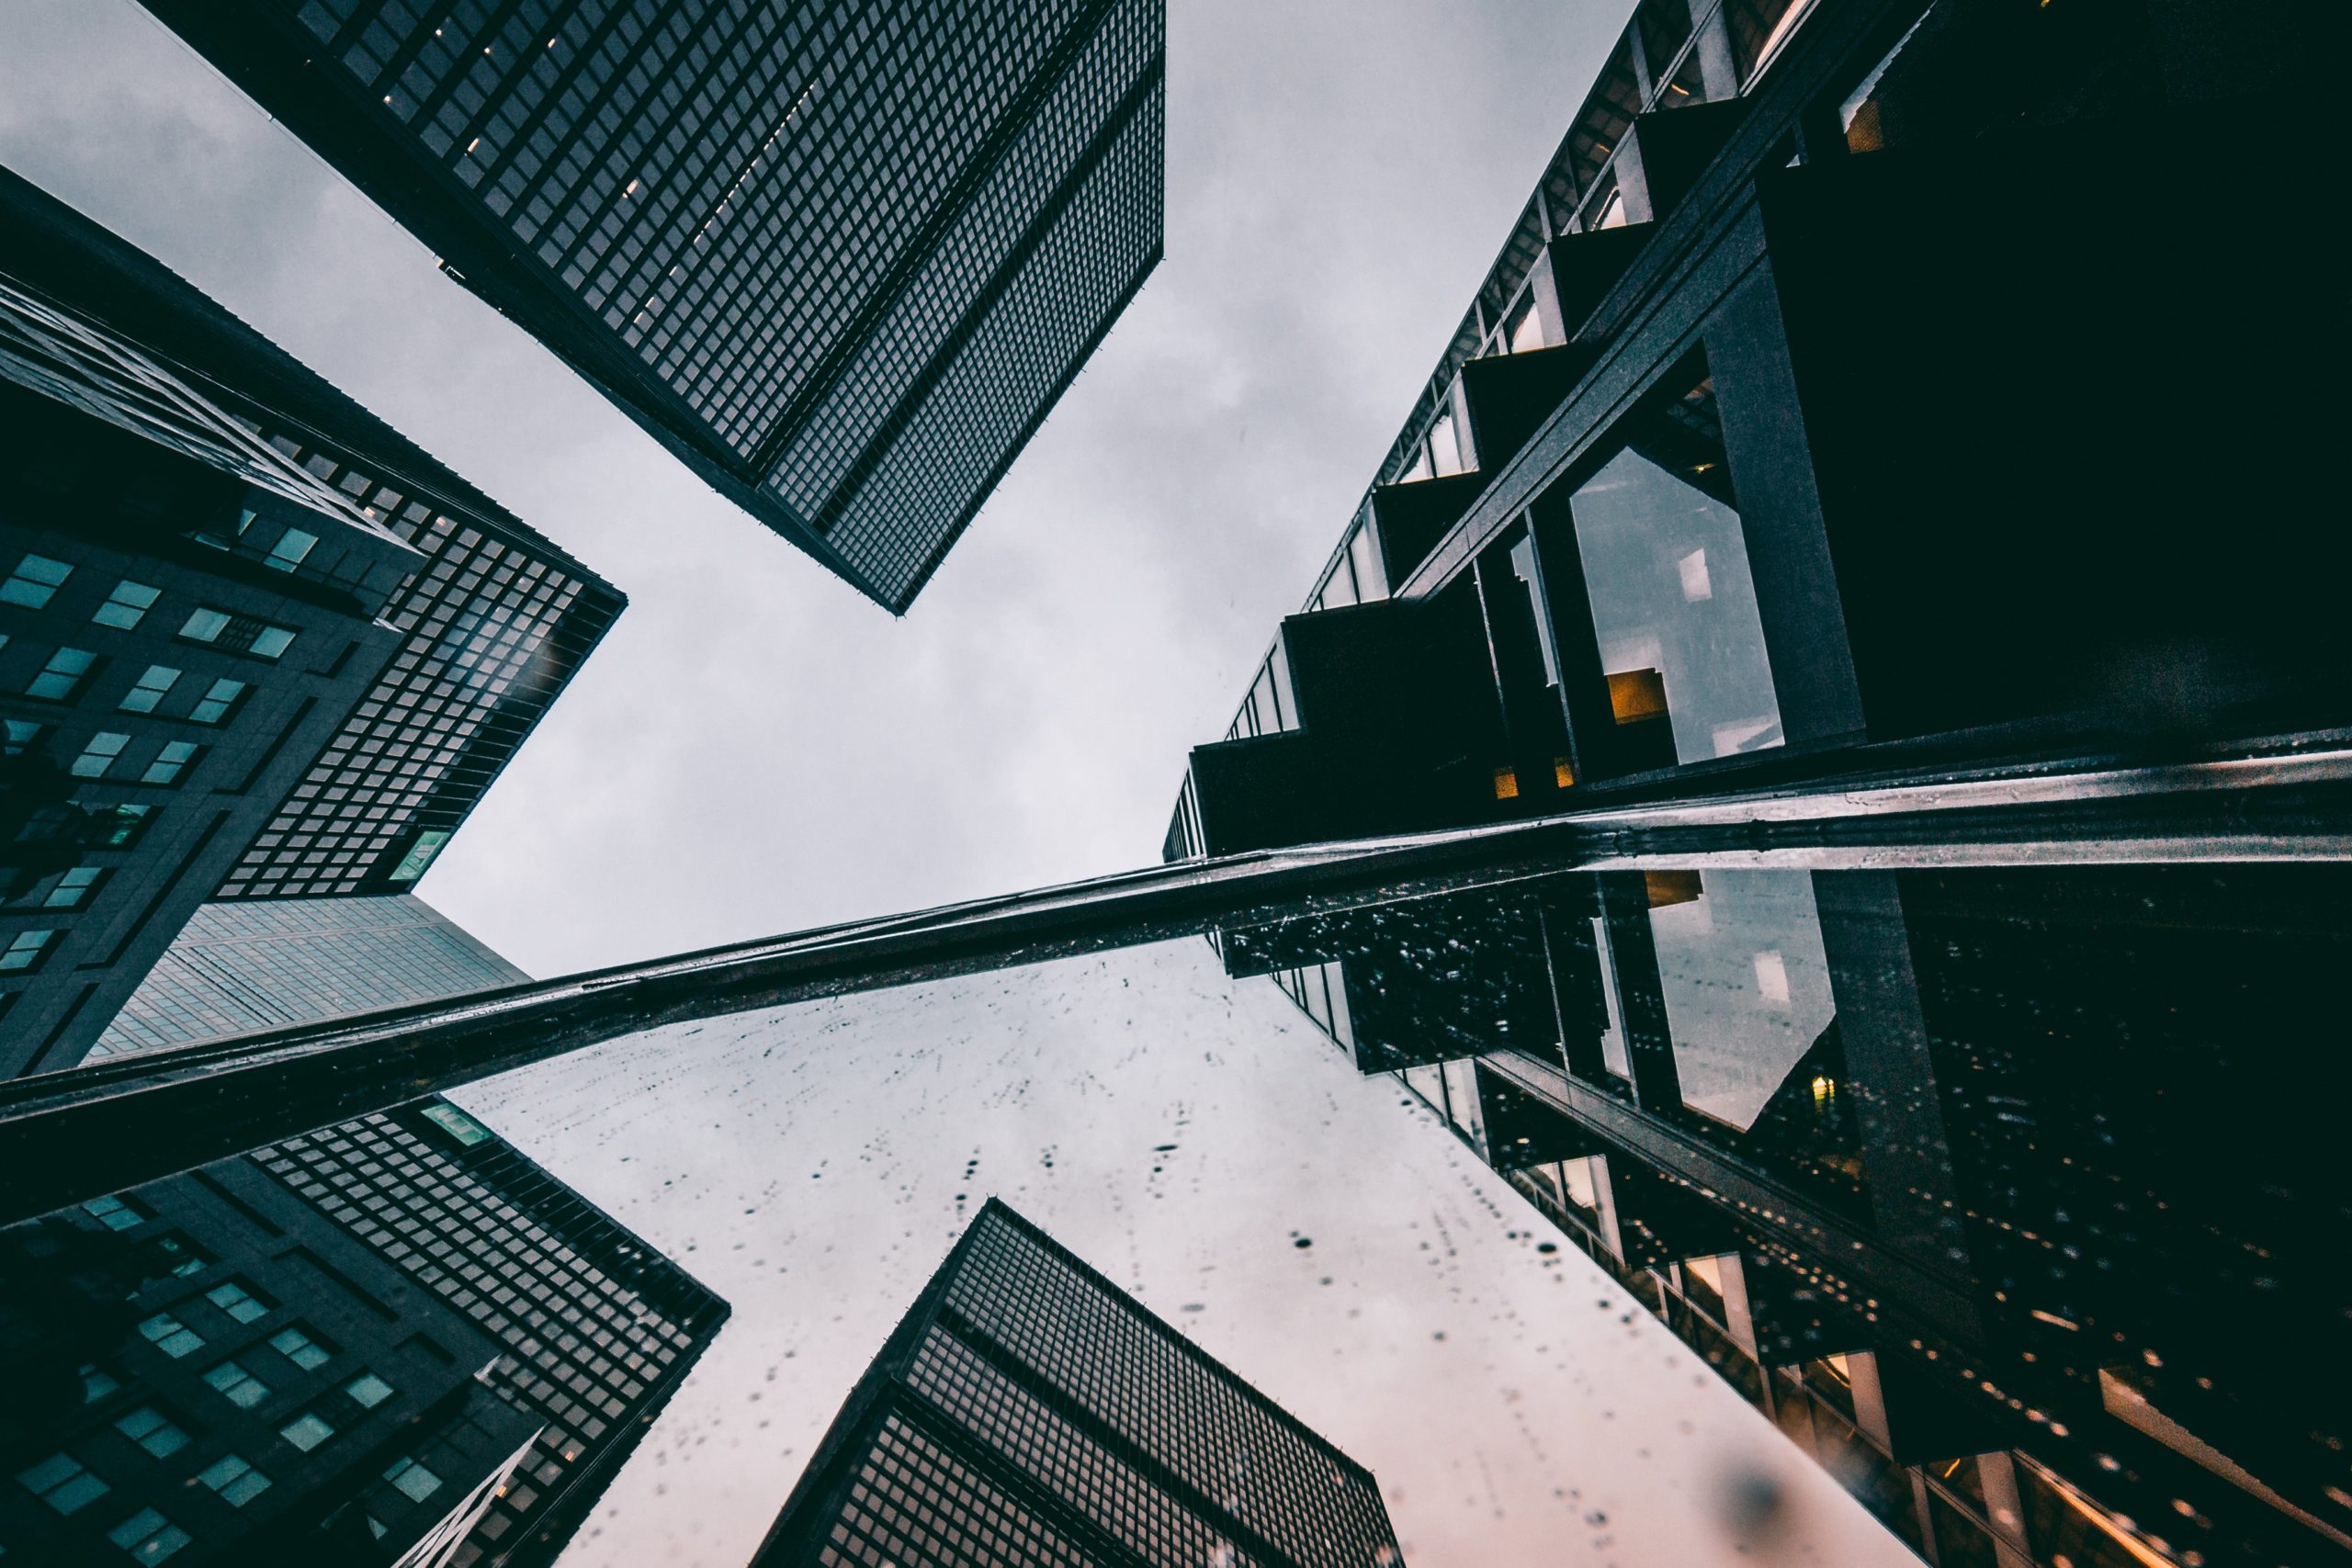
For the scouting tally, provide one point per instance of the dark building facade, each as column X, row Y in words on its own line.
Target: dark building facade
column 841, row 259
column 1981, row 1184
column 337, row 693
column 1028, row 1412
column 203, row 1371
column 594, row 1330
column 1766, row 451
column 263, row 963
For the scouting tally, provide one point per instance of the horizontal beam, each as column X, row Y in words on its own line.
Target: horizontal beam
column 75, row 1134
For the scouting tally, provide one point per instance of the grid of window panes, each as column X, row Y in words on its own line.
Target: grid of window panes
column 597, row 1325
column 722, row 181
column 916, row 1505
column 1061, row 1458
column 1157, row 1392
column 260, row 965
column 496, row 621
column 1099, row 93
column 920, row 482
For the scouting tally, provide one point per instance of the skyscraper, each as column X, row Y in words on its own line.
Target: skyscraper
column 1027, row 1411
column 332, row 708
column 595, row 1330
column 204, row 1370
column 1754, row 430
column 259, row 963
column 841, row 258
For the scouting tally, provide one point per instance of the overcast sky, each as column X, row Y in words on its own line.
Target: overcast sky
column 756, row 748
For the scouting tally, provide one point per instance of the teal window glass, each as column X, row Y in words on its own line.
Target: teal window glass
column 170, row 1335
column 217, row 701
column 34, row 582
column 99, row 755
column 62, row 1483
column 150, row 689
column 62, row 675
column 169, row 763
column 127, row 605
column 236, row 1385
column 150, row 1431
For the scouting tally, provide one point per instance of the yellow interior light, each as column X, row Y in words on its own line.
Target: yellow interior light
column 1506, row 785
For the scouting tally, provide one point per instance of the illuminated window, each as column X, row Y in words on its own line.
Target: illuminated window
column 271, row 641
column 204, row 626
column 113, row 1213
column 237, row 1301
column 413, row 1479
column 300, row 1348
column 369, row 1390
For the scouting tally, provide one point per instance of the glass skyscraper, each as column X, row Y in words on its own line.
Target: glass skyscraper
column 594, row 1328
column 263, row 964
column 840, row 258
column 1028, row 1411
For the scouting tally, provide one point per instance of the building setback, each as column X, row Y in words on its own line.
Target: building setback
column 205, row 1371
column 1028, row 1412
column 262, row 964
column 593, row 1327
column 840, row 258
column 1768, row 448
column 338, row 769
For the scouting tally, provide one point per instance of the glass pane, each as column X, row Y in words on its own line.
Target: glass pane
column 1665, row 567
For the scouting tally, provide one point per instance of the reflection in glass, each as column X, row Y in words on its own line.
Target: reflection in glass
column 1673, row 606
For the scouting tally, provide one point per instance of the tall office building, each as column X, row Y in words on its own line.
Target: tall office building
column 263, row 964
column 1028, row 1412
column 205, row 1371
column 841, row 258
column 338, row 706
column 1764, row 438
column 595, row 1330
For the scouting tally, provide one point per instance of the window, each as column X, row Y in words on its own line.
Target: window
column 125, row 826
column 413, row 1479
column 369, row 1390
column 100, row 754
column 147, row 1427
column 127, row 605
column 113, row 1213
column 23, row 952
column 62, row 675
column 457, row 1123
column 1525, row 330
column 20, row 734
column 148, row 1536
column 151, row 689
column 307, row 1430
column 36, row 580
column 237, row 1301
column 217, row 702
column 204, row 626
column 73, row 886
column 170, row 1335
column 271, row 641
column 420, row 855
column 1674, row 607
column 97, row 1383
column 293, row 546
column 300, row 1348
column 171, row 1256
column 62, row 1483
column 236, row 1479
column 169, row 761
column 236, row 1385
